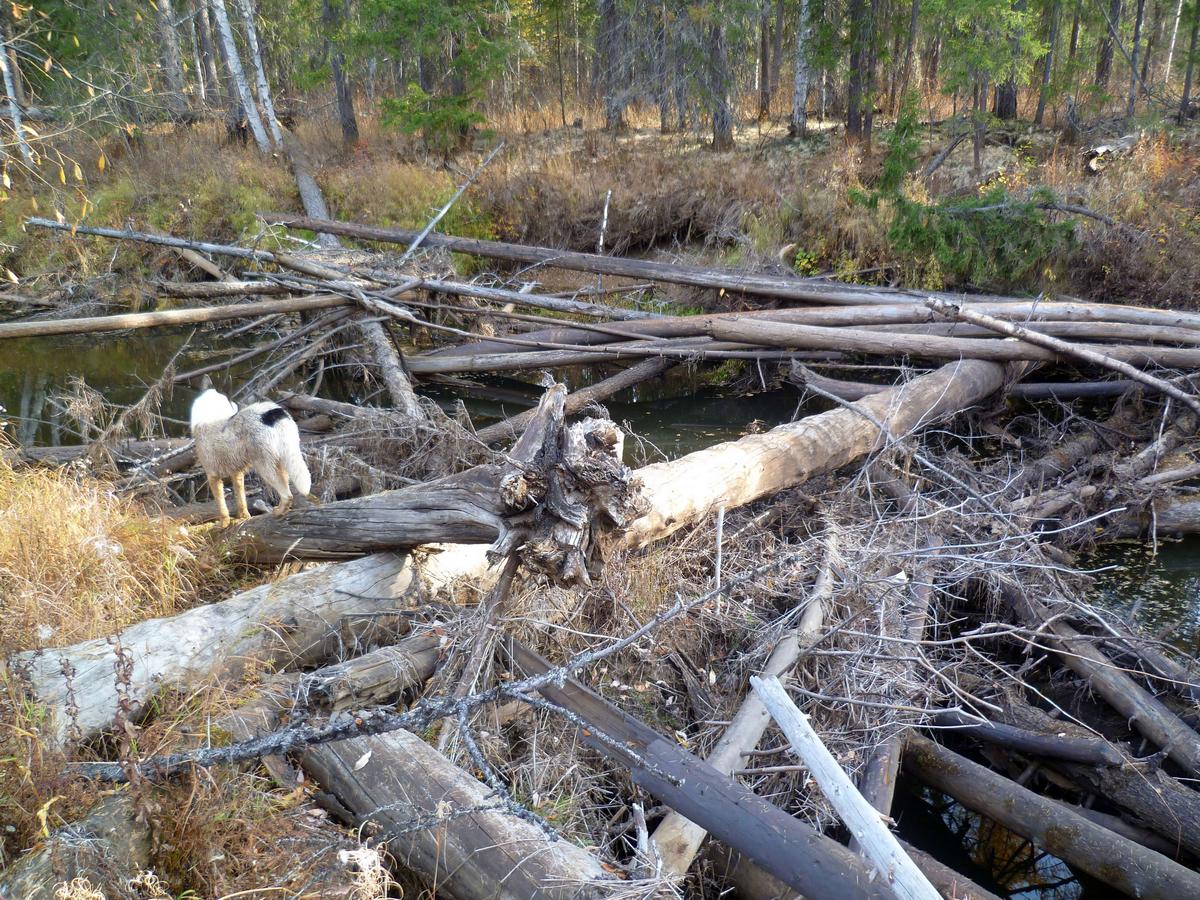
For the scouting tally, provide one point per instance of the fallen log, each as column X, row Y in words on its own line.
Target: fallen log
column 539, row 301
column 107, row 847
column 1119, row 863
column 1109, row 360
column 802, row 858
column 168, row 317
column 205, row 289
column 285, row 623
column 447, row 827
column 810, row 337
column 391, row 369
column 1054, row 746
column 1122, row 693
column 731, row 474
column 878, row 844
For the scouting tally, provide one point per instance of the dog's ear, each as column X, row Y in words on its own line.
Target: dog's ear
column 206, row 383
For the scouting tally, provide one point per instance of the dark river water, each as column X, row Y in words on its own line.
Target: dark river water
column 670, row 418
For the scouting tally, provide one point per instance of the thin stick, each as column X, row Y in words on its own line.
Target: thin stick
column 449, row 203
column 1060, row 346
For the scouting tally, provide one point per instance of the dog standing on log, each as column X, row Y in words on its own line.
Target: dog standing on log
column 230, row 442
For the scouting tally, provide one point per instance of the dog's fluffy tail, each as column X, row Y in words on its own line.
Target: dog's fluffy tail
column 293, row 459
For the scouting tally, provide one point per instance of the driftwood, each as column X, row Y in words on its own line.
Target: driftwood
column 787, row 848
column 450, row 829
column 290, row 622
column 107, row 847
column 97, row 324
column 1119, row 863
column 877, row 842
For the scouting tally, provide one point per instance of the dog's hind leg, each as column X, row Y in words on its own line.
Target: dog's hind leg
column 239, row 494
column 216, row 487
column 277, row 477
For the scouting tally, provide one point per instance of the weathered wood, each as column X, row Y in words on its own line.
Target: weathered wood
column 1119, row 863
column 877, row 842
column 810, row 337
column 1125, row 695
column 391, row 369
column 396, row 781
column 577, row 400
column 97, row 324
column 1109, row 360
column 539, row 301
column 220, row 288
column 787, row 848
column 679, row 839
column 731, row 474
column 107, row 846
column 1054, row 746
column 285, row 623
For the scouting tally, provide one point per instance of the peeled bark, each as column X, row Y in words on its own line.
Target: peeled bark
column 731, row 474
column 238, row 76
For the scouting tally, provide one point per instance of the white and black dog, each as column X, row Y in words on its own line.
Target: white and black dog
column 230, row 442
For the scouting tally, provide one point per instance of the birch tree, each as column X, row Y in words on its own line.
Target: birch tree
column 208, row 57
column 803, row 73
column 14, row 108
column 260, row 73
column 238, row 76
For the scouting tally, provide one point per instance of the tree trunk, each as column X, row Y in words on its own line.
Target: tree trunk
column 1006, row 100
column 260, row 73
column 332, row 19
column 14, row 109
column 1111, row 32
column 208, row 57
column 1048, row 62
column 1171, row 47
column 14, row 60
column 803, row 73
column 172, row 59
column 665, row 71
column 238, row 75
column 764, row 62
column 1185, row 108
column 777, row 48
column 610, row 51
column 858, row 82
column 909, row 48
column 722, row 116
column 1133, row 59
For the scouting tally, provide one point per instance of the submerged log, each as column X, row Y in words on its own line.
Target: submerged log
column 289, row 622
column 1119, row 863
column 420, row 805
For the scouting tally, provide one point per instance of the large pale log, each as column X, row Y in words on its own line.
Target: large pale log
column 1118, row 862
column 291, row 622
column 734, row 473
column 396, row 781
